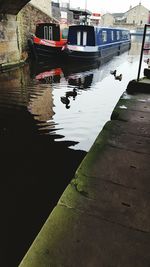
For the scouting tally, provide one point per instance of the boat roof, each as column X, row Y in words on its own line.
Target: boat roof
column 99, row 27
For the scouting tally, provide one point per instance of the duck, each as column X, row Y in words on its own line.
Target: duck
column 65, row 101
column 118, row 77
column 72, row 93
column 113, row 72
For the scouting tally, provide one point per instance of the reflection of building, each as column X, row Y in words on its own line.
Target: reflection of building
column 136, row 45
column 42, row 105
column 15, row 78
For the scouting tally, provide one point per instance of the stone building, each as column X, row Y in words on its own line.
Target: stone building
column 61, row 12
column 138, row 15
column 107, row 20
column 43, row 5
column 134, row 17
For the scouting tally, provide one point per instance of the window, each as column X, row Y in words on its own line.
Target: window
column 118, row 35
column 112, row 35
column 84, row 38
column 125, row 35
column 104, row 36
column 78, row 38
column 64, row 33
column 48, row 33
column 81, row 38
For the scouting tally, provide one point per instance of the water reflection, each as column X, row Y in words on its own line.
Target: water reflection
column 31, row 182
column 93, row 83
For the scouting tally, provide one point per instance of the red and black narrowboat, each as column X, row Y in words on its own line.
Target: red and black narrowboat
column 47, row 41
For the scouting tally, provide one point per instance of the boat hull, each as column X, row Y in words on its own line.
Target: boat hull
column 42, row 51
column 47, row 51
column 102, row 53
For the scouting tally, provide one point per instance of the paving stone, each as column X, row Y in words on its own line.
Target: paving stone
column 71, row 238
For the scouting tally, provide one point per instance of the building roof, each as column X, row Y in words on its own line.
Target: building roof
column 135, row 7
column 80, row 12
column 118, row 14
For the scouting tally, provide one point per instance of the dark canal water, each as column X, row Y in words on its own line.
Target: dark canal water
column 44, row 136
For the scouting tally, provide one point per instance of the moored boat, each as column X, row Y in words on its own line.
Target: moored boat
column 86, row 42
column 47, row 41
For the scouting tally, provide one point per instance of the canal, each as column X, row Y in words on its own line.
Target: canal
column 50, row 115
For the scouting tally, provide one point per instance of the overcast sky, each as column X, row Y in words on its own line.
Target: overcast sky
column 111, row 6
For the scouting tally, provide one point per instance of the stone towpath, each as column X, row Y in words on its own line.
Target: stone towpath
column 103, row 217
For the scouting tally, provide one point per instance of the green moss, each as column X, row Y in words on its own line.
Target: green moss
column 92, row 155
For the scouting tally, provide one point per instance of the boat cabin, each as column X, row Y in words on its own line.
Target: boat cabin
column 85, row 35
column 48, row 31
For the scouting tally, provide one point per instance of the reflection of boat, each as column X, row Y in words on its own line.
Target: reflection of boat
column 50, row 76
column 47, row 41
column 71, row 68
column 87, row 42
column 81, row 81
column 80, row 75
column 46, row 73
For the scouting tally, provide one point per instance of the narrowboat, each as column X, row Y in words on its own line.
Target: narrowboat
column 47, row 41
column 86, row 42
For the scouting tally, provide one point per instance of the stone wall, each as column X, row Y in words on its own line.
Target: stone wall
column 27, row 19
column 9, row 49
column 15, row 31
column 43, row 5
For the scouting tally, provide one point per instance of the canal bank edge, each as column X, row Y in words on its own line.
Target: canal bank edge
column 12, row 65
column 102, row 218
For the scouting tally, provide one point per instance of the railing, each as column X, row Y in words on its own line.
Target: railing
column 142, row 49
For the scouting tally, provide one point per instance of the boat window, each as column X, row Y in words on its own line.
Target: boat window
column 65, row 33
column 104, row 36
column 124, row 35
column 48, row 33
column 84, row 38
column 45, row 32
column 112, row 35
column 118, row 35
column 78, row 38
